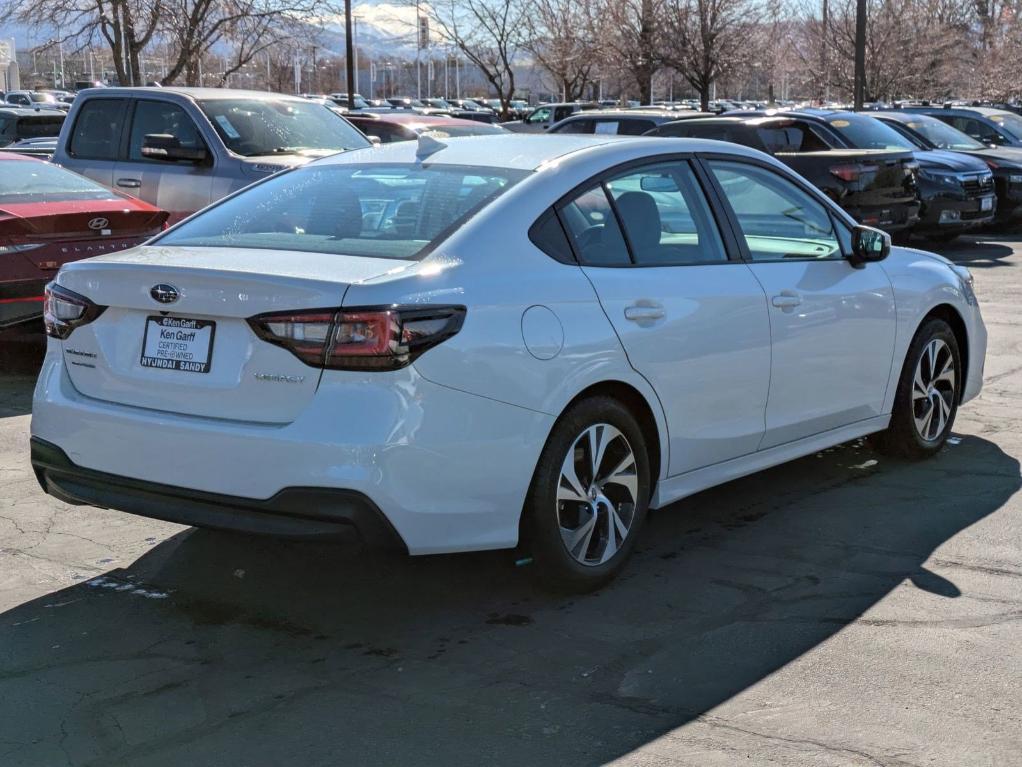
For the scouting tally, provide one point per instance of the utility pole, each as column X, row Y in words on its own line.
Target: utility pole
column 349, row 54
column 860, row 54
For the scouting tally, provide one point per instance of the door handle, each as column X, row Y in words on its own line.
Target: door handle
column 638, row 313
column 129, row 183
column 786, row 300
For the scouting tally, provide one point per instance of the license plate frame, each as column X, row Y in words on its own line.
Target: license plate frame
column 986, row 204
column 180, row 349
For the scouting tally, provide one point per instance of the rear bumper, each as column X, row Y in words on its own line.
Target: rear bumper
column 448, row 470
column 894, row 217
column 294, row 512
column 948, row 215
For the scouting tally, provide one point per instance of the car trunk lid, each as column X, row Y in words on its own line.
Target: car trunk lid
column 212, row 364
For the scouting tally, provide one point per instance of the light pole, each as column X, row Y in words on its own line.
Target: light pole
column 860, row 54
column 349, row 54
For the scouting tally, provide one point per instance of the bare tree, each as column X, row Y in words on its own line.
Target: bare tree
column 489, row 33
column 707, row 40
column 560, row 41
column 628, row 32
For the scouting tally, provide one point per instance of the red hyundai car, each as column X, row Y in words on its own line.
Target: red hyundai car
column 49, row 216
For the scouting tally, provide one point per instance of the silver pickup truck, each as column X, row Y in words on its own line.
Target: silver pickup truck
column 182, row 148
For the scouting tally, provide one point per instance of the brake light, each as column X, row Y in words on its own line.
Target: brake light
column 364, row 338
column 851, row 173
column 64, row 310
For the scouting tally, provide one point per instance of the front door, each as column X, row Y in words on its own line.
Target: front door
column 832, row 325
column 691, row 321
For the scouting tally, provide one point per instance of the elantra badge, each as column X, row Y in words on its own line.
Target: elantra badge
column 165, row 294
column 99, row 223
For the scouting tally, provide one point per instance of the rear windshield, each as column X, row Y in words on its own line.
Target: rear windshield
column 38, row 127
column 942, row 135
column 34, row 181
column 383, row 211
column 253, row 127
column 868, row 133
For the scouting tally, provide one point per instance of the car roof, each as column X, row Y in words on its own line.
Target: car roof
column 523, row 151
column 981, row 111
column 624, row 114
column 14, row 111
column 204, row 94
column 414, row 118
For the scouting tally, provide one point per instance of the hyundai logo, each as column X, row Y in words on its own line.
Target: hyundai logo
column 99, row 223
column 165, row 294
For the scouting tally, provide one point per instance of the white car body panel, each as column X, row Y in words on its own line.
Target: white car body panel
column 447, row 447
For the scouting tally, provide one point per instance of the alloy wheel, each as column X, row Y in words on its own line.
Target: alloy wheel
column 597, row 493
column 934, row 388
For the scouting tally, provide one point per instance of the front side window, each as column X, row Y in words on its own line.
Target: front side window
column 255, row 127
column 779, row 220
column 539, row 116
column 162, row 117
column 665, row 216
column 395, row 211
column 97, row 130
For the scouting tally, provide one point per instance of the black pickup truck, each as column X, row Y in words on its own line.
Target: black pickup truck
column 875, row 184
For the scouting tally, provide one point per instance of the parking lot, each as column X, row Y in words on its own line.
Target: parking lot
column 844, row 609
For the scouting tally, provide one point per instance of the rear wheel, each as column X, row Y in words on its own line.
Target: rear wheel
column 926, row 401
column 589, row 495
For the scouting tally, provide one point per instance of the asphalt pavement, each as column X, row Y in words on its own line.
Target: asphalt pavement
column 844, row 609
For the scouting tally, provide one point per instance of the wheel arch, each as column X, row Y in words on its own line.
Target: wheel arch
column 953, row 318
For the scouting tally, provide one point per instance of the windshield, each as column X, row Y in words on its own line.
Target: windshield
column 33, row 181
column 942, row 135
column 398, row 211
column 454, row 131
column 1009, row 122
column 42, row 98
column 252, row 127
column 868, row 133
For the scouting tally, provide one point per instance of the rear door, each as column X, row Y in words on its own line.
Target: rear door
column 832, row 325
column 179, row 187
column 96, row 138
column 692, row 322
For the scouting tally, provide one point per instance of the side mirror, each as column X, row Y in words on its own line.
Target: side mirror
column 869, row 244
column 374, row 140
column 163, row 146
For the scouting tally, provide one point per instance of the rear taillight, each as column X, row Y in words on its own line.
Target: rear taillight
column 852, row 172
column 64, row 310
column 365, row 338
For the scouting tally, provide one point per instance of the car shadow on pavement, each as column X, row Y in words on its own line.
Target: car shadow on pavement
column 221, row 649
column 21, row 354
column 975, row 254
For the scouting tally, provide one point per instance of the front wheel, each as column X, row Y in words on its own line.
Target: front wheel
column 589, row 495
column 926, row 400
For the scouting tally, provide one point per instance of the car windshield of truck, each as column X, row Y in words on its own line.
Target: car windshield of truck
column 398, row 210
column 942, row 135
column 28, row 181
column 868, row 133
column 1009, row 122
column 255, row 127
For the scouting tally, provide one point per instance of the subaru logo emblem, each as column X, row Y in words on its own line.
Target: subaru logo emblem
column 99, row 223
column 165, row 294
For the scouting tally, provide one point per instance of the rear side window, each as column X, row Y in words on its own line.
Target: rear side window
column 594, row 230
column 665, row 216
column 162, row 117
column 576, row 126
column 97, row 130
column 38, row 127
column 396, row 211
column 790, row 137
column 735, row 134
column 635, row 127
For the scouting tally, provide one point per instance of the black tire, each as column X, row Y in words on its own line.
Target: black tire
column 903, row 438
column 556, row 567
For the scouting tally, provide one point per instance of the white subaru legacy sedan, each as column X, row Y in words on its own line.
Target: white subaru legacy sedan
column 493, row 341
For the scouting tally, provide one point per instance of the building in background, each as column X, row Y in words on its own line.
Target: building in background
column 10, row 79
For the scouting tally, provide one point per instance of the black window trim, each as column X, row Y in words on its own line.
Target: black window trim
column 837, row 216
column 122, row 139
column 732, row 247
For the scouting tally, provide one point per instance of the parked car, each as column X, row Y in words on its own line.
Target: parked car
column 35, row 99
column 993, row 127
column 49, row 217
column 875, row 186
column 41, row 148
column 182, row 148
column 545, row 115
column 1005, row 162
column 530, row 392
column 631, row 122
column 19, row 123
column 409, row 126
column 341, row 100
